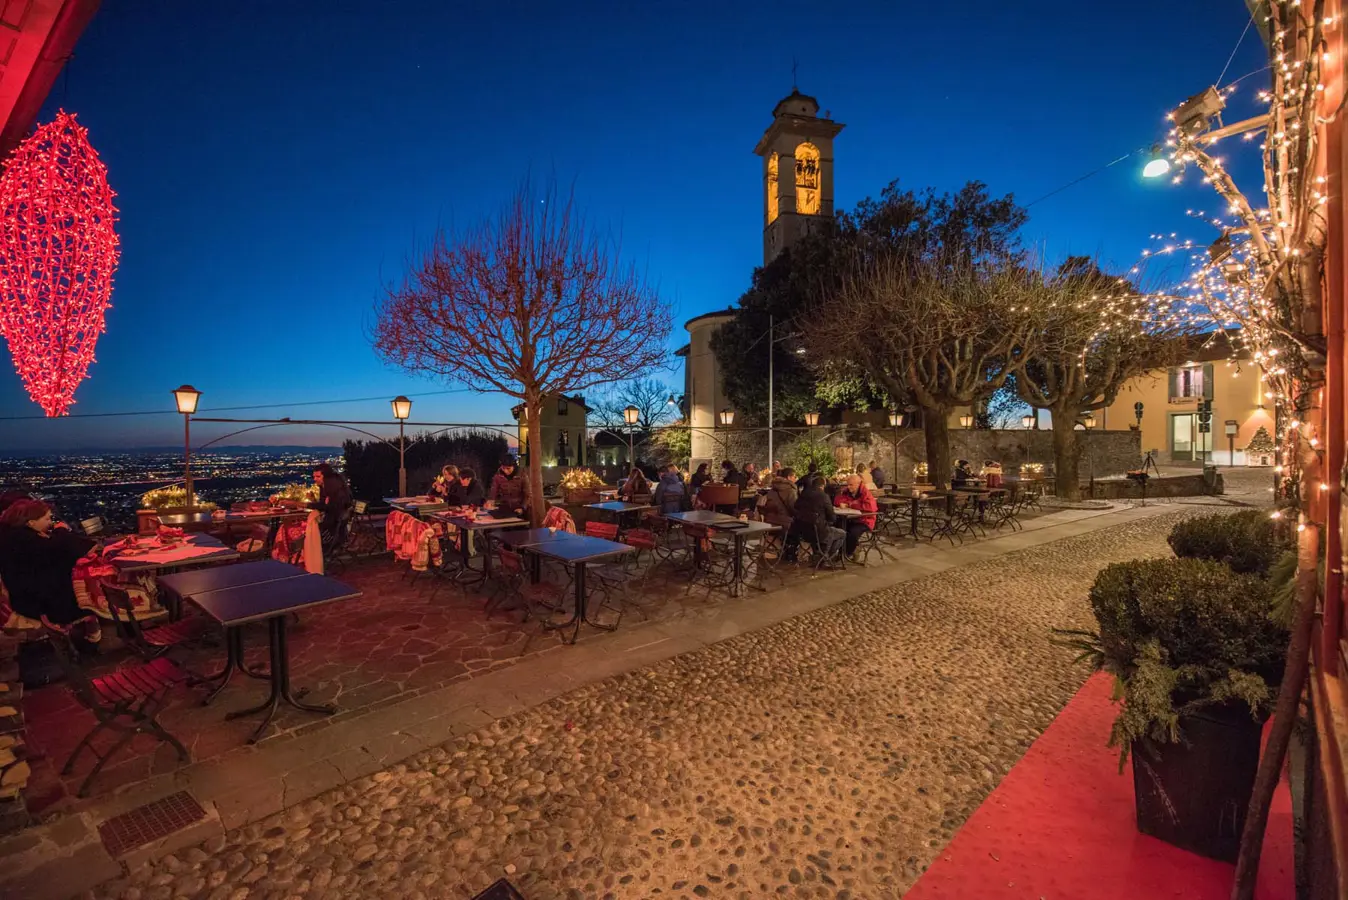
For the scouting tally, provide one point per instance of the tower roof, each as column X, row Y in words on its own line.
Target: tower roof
column 796, row 104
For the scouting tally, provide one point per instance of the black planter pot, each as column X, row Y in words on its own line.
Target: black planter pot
column 1194, row 794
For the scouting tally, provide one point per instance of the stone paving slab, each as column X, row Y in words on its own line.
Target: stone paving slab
column 247, row 784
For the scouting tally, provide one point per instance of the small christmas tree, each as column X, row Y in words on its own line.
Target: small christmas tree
column 1262, row 442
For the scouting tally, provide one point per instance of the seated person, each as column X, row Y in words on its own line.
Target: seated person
column 334, row 502
column 856, row 496
column 778, row 505
column 962, row 475
column 700, row 477
column 37, row 564
column 446, row 486
column 992, row 471
column 670, row 494
column 508, row 489
column 635, row 485
column 470, row 488
column 812, row 520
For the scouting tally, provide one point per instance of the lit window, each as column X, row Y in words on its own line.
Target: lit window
column 807, row 179
column 772, row 188
column 1189, row 383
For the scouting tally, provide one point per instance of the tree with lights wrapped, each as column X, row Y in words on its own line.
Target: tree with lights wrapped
column 1264, row 276
column 531, row 303
column 58, row 253
column 1096, row 332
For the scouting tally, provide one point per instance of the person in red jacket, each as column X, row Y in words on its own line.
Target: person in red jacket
column 856, row 496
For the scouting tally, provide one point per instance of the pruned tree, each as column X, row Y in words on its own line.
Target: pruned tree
column 656, row 404
column 1097, row 331
column 947, row 333
column 531, row 303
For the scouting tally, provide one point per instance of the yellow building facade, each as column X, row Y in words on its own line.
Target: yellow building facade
column 1167, row 406
column 563, row 426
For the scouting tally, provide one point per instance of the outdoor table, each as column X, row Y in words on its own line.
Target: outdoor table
column 467, row 524
column 700, row 517
column 577, row 551
column 273, row 601
column 847, row 512
column 184, row 585
column 740, row 531
column 620, row 508
column 196, row 549
column 528, row 539
column 416, row 506
column 891, row 509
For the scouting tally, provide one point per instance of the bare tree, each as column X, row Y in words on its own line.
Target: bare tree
column 651, row 397
column 945, row 333
column 530, row 303
column 1096, row 333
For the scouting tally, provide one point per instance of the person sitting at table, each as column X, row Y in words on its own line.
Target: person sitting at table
column 700, row 477
column 962, row 475
column 508, row 489
column 750, row 475
column 731, row 475
column 864, row 473
column 779, row 503
column 776, row 467
column 670, row 494
column 334, row 502
column 446, row 486
column 635, row 485
column 471, row 489
column 877, row 474
column 37, row 565
column 992, row 471
column 811, row 520
column 855, row 495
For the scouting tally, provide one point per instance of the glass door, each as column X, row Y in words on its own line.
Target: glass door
column 1186, row 443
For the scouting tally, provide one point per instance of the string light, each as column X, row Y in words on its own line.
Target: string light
column 58, row 252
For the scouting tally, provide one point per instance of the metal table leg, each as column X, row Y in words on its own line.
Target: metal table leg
column 280, row 682
column 233, row 663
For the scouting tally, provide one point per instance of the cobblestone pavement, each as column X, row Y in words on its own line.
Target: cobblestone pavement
column 829, row 756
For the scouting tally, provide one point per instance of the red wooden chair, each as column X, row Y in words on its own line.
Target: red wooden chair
column 155, row 640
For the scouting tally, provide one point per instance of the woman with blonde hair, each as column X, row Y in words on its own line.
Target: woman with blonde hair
column 864, row 473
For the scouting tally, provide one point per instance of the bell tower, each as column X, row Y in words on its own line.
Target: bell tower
column 797, row 151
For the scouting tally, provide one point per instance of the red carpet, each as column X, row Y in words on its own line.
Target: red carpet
column 1060, row 827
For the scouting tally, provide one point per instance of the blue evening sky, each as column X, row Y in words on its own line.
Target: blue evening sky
column 276, row 162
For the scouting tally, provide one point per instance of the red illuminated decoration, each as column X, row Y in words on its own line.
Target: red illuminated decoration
column 58, row 251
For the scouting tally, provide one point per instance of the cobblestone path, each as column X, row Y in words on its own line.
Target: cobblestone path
column 830, row 756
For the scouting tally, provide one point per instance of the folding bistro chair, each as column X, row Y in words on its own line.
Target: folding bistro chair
column 126, row 702
column 152, row 641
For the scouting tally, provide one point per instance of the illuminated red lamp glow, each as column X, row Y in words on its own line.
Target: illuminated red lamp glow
column 58, row 252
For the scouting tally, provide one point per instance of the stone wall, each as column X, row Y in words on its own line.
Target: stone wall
column 1103, row 452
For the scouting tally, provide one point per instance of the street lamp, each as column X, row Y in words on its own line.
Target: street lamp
column 1158, row 165
column 895, row 422
column 727, row 417
column 1089, row 421
column 186, row 398
column 966, row 421
column 402, row 408
column 811, row 419
column 1027, row 422
column 630, row 416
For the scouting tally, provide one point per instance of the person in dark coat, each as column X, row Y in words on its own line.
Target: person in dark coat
column 779, row 503
column 670, row 494
column 812, row 519
column 700, row 477
column 731, row 475
column 37, row 564
column 878, row 476
column 470, row 488
column 334, row 501
column 962, row 474
column 447, row 486
column 508, row 489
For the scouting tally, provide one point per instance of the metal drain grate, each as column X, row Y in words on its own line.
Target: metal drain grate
column 147, row 824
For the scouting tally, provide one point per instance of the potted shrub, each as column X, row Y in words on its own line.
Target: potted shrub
column 1249, row 542
column 1197, row 661
column 165, row 501
column 581, row 486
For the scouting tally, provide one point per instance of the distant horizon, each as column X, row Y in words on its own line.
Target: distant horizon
column 167, row 448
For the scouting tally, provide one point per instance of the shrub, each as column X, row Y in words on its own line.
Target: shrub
column 810, row 451
column 1179, row 635
column 1249, row 541
column 170, row 497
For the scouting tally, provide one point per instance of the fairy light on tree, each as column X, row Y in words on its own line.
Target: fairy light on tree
column 59, row 253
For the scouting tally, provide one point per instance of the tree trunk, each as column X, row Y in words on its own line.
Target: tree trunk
column 936, row 430
column 1284, row 715
column 1066, row 456
column 533, row 417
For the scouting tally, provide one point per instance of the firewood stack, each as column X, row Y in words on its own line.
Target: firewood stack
column 14, row 768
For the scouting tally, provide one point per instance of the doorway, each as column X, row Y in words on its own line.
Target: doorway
column 1187, row 444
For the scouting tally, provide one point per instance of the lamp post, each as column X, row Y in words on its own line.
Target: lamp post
column 1027, row 422
column 630, row 416
column 187, row 397
column 402, row 408
column 895, row 422
column 966, row 421
column 1089, row 421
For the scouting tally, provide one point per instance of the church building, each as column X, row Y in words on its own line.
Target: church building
column 797, row 153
